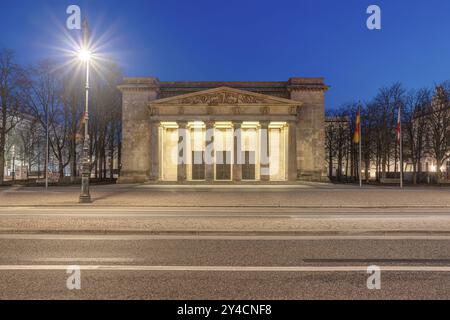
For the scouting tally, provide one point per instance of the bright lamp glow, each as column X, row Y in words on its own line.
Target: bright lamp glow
column 84, row 55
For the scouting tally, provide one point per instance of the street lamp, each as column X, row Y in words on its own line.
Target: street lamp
column 84, row 55
column 85, row 197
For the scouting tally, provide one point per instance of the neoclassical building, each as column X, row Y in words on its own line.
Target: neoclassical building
column 223, row 132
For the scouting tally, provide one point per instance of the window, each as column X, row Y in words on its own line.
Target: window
column 198, row 165
column 223, row 165
column 249, row 166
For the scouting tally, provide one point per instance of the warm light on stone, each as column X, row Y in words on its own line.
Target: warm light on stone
column 229, row 131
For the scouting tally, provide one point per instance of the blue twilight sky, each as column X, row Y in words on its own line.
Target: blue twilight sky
column 249, row 39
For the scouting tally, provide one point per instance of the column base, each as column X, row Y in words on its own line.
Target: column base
column 313, row 176
column 132, row 179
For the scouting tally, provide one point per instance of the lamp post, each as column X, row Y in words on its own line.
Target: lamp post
column 85, row 196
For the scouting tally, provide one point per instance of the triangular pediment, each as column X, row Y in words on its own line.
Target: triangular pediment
column 223, row 96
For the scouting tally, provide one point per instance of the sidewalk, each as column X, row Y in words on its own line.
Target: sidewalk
column 302, row 196
column 302, row 209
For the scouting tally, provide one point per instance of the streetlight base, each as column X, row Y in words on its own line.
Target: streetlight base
column 85, row 199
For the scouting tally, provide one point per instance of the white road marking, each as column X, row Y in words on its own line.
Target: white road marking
column 225, row 268
column 218, row 237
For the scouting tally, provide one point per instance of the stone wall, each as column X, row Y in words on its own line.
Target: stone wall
column 136, row 129
column 310, row 129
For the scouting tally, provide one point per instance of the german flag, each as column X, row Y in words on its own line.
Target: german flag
column 357, row 135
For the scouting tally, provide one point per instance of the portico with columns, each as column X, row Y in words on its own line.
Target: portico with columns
column 215, row 133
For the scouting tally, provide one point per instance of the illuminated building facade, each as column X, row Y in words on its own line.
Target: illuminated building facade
column 223, row 132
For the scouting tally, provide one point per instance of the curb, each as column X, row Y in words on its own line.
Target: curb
column 233, row 207
column 230, row 233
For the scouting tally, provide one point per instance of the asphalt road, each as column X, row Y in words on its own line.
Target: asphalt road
column 127, row 266
column 188, row 220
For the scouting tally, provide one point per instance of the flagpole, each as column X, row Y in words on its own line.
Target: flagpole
column 401, row 145
column 360, row 148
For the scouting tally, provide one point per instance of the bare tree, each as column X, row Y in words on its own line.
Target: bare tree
column 368, row 138
column 386, row 104
column 30, row 137
column 45, row 103
column 337, row 141
column 73, row 103
column 415, row 127
column 11, row 81
column 330, row 144
column 106, row 117
column 342, row 139
column 439, row 126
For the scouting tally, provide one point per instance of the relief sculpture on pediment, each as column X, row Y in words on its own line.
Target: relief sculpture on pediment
column 220, row 98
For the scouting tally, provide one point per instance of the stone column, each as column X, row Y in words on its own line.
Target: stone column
column 154, row 153
column 182, row 151
column 292, row 151
column 209, row 151
column 237, row 163
column 264, row 151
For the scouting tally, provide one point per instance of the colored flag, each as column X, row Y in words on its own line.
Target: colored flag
column 357, row 136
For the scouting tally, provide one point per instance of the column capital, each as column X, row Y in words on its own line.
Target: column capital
column 210, row 123
column 264, row 124
column 237, row 124
column 182, row 124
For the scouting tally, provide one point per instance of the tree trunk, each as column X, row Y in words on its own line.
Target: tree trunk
column 96, row 163
column 3, row 145
column 60, row 165
column 104, row 162
column 73, row 168
column 419, row 170
column 111, row 152
column 438, row 169
column 119, row 152
column 383, row 167
column 100, row 165
column 346, row 166
column 339, row 173
column 330, row 164
column 367, row 165
column 2, row 164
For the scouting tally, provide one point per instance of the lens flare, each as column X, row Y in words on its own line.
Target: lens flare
column 84, row 55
